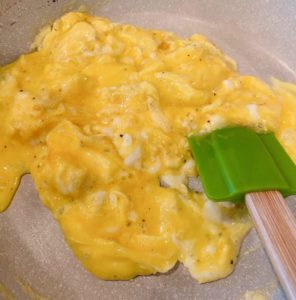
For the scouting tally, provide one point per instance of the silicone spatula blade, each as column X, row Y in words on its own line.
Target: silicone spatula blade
column 235, row 161
column 236, row 164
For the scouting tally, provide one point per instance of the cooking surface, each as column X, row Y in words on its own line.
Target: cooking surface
column 33, row 256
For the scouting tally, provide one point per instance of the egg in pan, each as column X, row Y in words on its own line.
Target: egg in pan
column 99, row 113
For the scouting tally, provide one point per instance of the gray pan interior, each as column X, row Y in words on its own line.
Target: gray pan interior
column 34, row 259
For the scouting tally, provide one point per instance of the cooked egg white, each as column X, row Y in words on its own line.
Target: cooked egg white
column 98, row 113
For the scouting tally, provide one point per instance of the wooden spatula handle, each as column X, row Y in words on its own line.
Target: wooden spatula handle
column 276, row 227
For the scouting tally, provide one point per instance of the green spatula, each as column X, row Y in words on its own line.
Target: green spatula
column 236, row 164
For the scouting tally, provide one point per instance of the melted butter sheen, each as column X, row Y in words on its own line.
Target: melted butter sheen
column 99, row 114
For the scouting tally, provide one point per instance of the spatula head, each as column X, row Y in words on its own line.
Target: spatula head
column 234, row 161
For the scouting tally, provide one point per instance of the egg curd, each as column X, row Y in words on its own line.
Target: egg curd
column 98, row 113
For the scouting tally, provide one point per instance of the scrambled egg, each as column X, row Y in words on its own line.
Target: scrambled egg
column 99, row 112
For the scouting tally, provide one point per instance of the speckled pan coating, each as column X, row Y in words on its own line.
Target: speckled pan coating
column 34, row 259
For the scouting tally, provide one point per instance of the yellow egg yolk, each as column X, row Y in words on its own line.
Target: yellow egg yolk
column 99, row 113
